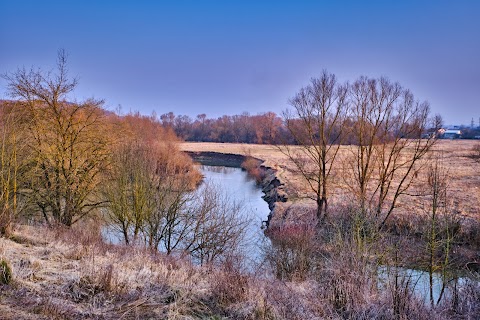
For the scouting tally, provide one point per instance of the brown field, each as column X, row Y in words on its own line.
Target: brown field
column 463, row 172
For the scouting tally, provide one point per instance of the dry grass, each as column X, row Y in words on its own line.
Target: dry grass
column 464, row 183
column 59, row 275
column 71, row 274
column 411, row 215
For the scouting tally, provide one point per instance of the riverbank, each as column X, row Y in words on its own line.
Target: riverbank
column 462, row 169
column 209, row 158
column 267, row 177
column 463, row 183
column 73, row 274
column 290, row 201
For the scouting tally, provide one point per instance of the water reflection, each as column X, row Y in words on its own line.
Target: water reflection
column 418, row 282
column 236, row 185
column 217, row 169
column 240, row 191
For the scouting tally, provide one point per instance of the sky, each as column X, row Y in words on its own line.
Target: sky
column 231, row 56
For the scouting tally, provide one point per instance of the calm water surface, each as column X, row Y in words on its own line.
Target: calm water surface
column 238, row 187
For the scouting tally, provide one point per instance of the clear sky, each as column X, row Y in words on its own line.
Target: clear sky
column 228, row 56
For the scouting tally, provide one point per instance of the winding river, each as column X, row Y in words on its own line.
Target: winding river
column 237, row 186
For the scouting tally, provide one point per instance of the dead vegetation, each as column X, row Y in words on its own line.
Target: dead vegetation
column 72, row 274
column 475, row 153
column 310, row 271
column 464, row 182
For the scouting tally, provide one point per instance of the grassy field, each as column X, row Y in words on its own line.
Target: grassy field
column 463, row 171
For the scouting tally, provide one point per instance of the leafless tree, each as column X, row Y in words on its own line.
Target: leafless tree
column 387, row 132
column 129, row 191
column 146, row 191
column 149, row 194
column 66, row 141
column 171, row 221
column 443, row 225
column 317, row 125
column 219, row 225
column 11, row 166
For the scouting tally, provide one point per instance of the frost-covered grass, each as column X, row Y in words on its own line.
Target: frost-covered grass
column 73, row 274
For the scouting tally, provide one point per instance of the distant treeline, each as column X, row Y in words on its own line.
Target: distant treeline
column 263, row 128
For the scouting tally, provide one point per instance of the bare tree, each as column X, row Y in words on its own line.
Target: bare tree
column 443, row 225
column 146, row 193
column 317, row 125
column 129, row 191
column 171, row 221
column 66, row 141
column 11, row 166
column 149, row 194
column 219, row 225
column 388, row 128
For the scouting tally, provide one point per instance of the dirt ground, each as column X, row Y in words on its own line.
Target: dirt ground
column 463, row 172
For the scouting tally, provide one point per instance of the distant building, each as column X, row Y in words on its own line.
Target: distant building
column 440, row 132
column 452, row 134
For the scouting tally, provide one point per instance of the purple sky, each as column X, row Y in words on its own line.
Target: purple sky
column 229, row 56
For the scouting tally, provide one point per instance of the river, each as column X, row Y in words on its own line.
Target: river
column 238, row 186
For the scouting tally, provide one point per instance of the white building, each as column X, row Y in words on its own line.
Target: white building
column 452, row 134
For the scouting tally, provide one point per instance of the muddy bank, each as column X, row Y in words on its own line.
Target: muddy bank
column 217, row 159
column 272, row 187
column 274, row 192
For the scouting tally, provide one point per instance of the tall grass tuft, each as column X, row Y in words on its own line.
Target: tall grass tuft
column 5, row 272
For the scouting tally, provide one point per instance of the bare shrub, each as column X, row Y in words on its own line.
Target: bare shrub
column 465, row 300
column 347, row 279
column 349, row 225
column 291, row 251
column 253, row 168
column 405, row 224
column 218, row 226
column 230, row 285
column 475, row 153
column 400, row 295
column 469, row 232
column 346, row 271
